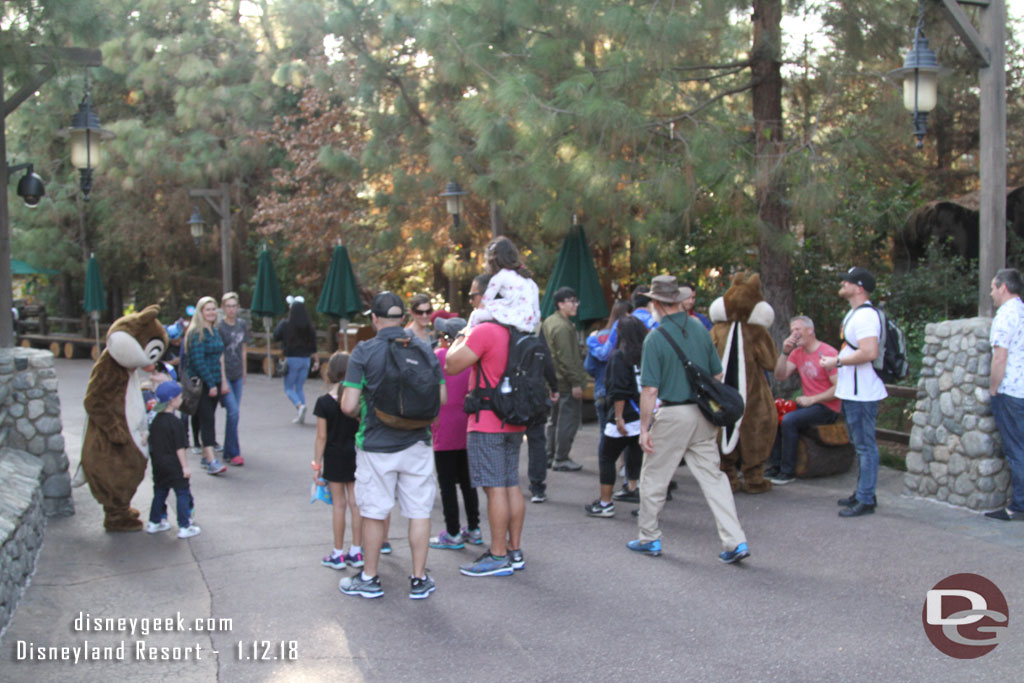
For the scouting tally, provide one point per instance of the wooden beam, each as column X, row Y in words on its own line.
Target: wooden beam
column 965, row 29
column 26, row 91
column 79, row 56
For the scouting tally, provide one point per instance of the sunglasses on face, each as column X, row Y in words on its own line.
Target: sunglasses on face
column 423, row 311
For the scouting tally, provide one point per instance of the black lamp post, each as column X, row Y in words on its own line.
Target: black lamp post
column 87, row 137
column 453, row 194
column 920, row 76
column 195, row 225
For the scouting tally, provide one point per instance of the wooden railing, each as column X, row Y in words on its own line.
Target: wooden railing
column 891, row 435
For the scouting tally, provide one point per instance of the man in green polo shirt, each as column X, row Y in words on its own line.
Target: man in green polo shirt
column 679, row 428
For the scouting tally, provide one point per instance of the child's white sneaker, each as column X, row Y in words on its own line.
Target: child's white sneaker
column 189, row 531
column 152, row 528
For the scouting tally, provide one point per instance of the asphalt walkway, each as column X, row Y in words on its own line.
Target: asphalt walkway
column 821, row 598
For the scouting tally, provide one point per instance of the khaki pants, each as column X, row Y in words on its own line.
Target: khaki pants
column 678, row 431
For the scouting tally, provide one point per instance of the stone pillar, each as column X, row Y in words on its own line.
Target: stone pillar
column 30, row 421
column 955, row 453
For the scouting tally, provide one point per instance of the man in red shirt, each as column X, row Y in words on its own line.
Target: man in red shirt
column 802, row 352
column 493, row 451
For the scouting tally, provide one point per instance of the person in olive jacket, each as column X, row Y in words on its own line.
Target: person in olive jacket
column 560, row 335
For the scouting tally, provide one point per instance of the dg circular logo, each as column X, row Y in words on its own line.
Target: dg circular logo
column 965, row 616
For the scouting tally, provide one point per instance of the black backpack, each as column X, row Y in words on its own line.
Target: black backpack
column 891, row 365
column 409, row 396
column 521, row 397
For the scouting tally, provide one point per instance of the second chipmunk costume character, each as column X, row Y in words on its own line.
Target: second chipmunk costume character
column 741, row 319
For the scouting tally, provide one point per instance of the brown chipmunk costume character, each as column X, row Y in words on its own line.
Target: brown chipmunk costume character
column 114, row 453
column 741, row 319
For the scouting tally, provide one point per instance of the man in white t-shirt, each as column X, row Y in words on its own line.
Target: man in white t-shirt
column 1006, row 383
column 858, row 385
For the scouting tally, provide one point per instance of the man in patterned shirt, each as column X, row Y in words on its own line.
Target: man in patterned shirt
column 1006, row 383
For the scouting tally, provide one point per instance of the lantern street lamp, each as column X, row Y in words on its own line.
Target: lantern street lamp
column 195, row 225
column 453, row 194
column 87, row 137
column 987, row 45
column 920, row 76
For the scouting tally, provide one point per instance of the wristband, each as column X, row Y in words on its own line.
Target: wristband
column 839, row 363
column 315, row 466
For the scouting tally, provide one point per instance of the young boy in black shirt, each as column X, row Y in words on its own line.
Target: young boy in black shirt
column 167, row 448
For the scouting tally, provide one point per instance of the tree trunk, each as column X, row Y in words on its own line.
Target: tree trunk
column 776, row 263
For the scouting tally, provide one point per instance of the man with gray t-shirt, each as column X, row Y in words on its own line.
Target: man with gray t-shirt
column 235, row 333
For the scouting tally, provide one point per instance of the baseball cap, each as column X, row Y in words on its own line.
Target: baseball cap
column 165, row 393
column 387, row 305
column 860, row 276
column 449, row 327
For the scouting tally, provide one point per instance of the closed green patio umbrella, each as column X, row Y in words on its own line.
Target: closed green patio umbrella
column 267, row 300
column 575, row 268
column 340, row 296
column 95, row 297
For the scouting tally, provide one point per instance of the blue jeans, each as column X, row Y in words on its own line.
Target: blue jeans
column 184, row 505
column 788, row 437
column 1009, row 414
column 232, row 402
column 294, row 378
column 860, row 423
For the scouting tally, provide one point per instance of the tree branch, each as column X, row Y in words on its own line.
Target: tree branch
column 725, row 93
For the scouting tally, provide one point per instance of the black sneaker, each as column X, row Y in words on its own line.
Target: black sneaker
column 852, row 500
column 781, row 479
column 595, row 509
column 771, row 472
column 421, row 588
column 516, row 558
column 355, row 585
column 538, row 495
column 626, row 496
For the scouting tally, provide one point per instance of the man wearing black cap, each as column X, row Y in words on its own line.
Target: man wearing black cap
column 858, row 385
column 390, row 461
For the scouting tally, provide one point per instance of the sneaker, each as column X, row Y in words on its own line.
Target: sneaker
column 300, row 416
column 355, row 585
column 354, row 560
column 624, row 495
column 152, row 528
column 237, row 461
column 334, row 561
column 421, row 588
column 1004, row 515
column 474, row 536
column 218, row 448
column 539, row 496
column 596, row 509
column 733, row 556
column 652, row 548
column 444, row 541
column 782, row 479
column 771, row 472
column 189, row 531
column 197, row 450
column 204, row 462
column 567, row 465
column 385, row 549
column 488, row 565
column 216, row 467
column 515, row 558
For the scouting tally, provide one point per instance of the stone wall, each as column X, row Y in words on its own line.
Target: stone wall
column 21, row 525
column 30, row 421
column 955, row 454
column 34, row 480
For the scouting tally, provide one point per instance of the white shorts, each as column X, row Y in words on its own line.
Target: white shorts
column 408, row 473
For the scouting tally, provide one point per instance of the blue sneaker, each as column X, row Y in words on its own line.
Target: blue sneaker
column 334, row 561
column 421, row 588
column 354, row 560
column 488, row 565
column 385, row 549
column 474, row 536
column 445, row 542
column 652, row 548
column 732, row 556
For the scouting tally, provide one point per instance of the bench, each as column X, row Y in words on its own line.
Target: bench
column 824, row 450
